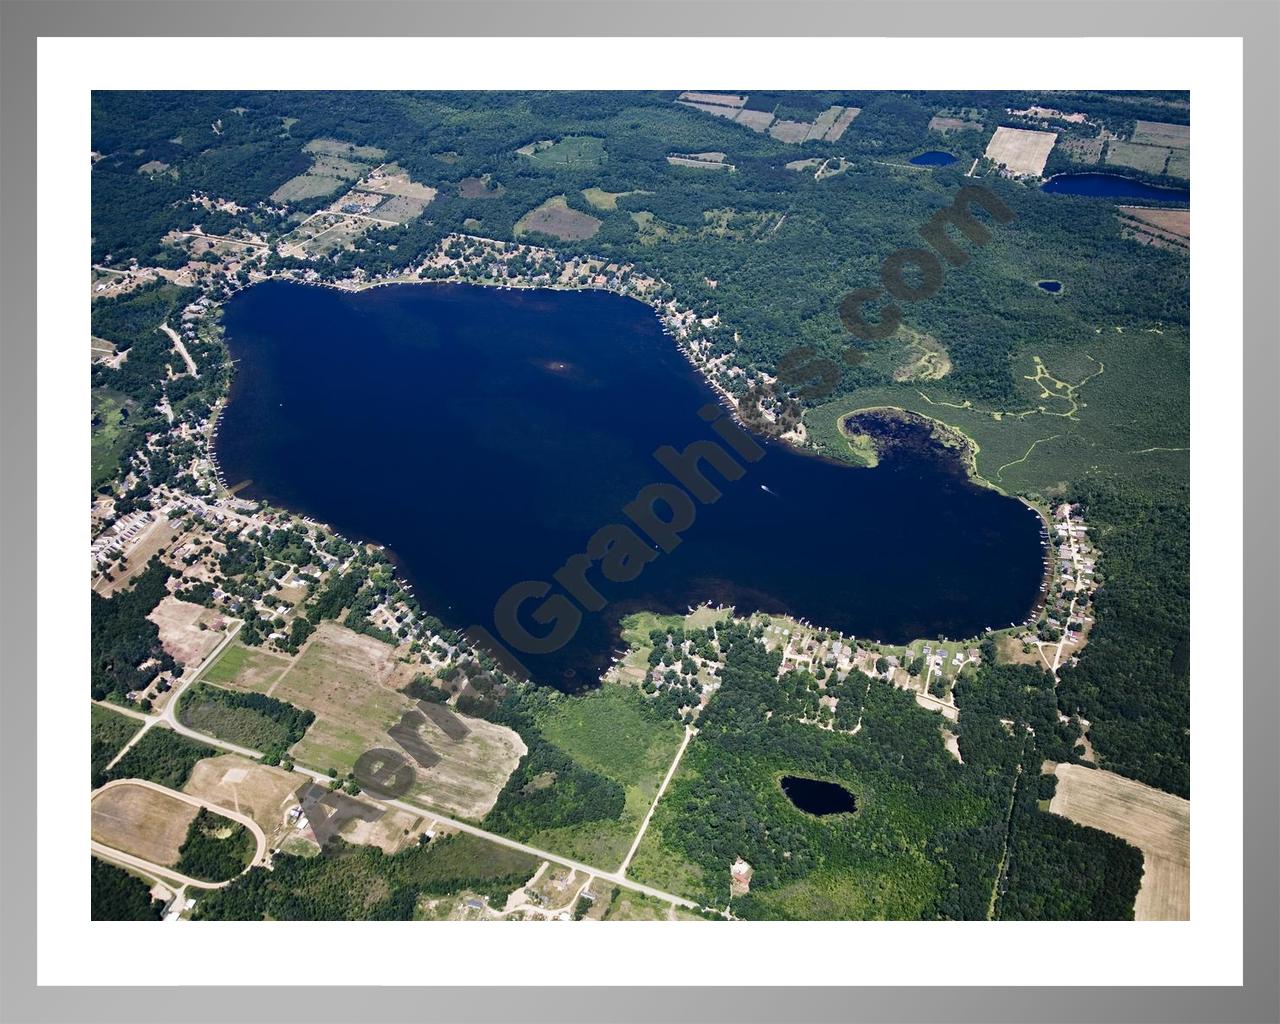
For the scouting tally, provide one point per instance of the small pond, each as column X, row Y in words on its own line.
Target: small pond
column 1050, row 286
column 816, row 797
column 933, row 158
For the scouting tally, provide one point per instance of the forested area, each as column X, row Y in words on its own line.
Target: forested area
column 215, row 849
column 835, row 236
column 252, row 720
column 548, row 789
column 108, row 732
column 361, row 883
column 1133, row 682
column 162, row 756
column 122, row 637
column 924, row 842
column 117, row 895
column 1061, row 871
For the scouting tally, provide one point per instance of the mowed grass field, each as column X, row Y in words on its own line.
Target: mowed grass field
column 610, row 731
column 1156, row 822
column 241, row 667
column 351, row 682
column 141, row 821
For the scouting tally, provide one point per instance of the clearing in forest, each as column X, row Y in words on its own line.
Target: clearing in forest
column 1020, row 150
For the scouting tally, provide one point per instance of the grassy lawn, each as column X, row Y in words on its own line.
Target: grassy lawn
column 245, row 668
column 610, row 731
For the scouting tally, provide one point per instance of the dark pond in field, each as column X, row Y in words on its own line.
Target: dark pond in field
column 817, row 797
column 485, row 435
column 933, row 158
column 1050, row 286
column 1113, row 186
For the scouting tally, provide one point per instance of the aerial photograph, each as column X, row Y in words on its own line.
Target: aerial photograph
column 685, row 506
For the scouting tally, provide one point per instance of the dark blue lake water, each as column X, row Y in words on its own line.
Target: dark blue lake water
column 1113, row 186
column 1050, row 286
column 933, row 158
column 483, row 436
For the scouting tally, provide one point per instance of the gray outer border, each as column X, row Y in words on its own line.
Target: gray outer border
column 23, row 22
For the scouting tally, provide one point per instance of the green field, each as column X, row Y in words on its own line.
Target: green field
column 108, row 732
column 612, row 732
column 1078, row 418
column 571, row 153
column 241, row 667
column 110, row 437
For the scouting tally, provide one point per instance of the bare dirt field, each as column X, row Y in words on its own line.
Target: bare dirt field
column 392, row 832
column 180, row 633
column 256, row 790
column 1158, row 823
column 479, row 188
column 717, row 98
column 1165, row 229
column 352, row 683
column 141, row 821
column 1020, row 150
column 555, row 218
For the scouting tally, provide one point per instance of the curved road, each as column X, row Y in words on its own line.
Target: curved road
column 259, row 837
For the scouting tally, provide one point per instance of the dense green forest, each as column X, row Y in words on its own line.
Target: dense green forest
column 252, row 720
column 119, row 896
column 215, row 849
column 1133, row 682
column 108, row 732
column 122, row 637
column 161, row 756
column 361, row 883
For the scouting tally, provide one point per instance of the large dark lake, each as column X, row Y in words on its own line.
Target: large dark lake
column 1113, row 186
column 484, row 435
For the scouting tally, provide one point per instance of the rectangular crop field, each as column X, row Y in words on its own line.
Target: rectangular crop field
column 1157, row 133
column 1149, row 159
column 1156, row 822
column 1020, row 150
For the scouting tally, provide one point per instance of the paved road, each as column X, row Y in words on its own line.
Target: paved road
column 169, row 717
column 644, row 826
